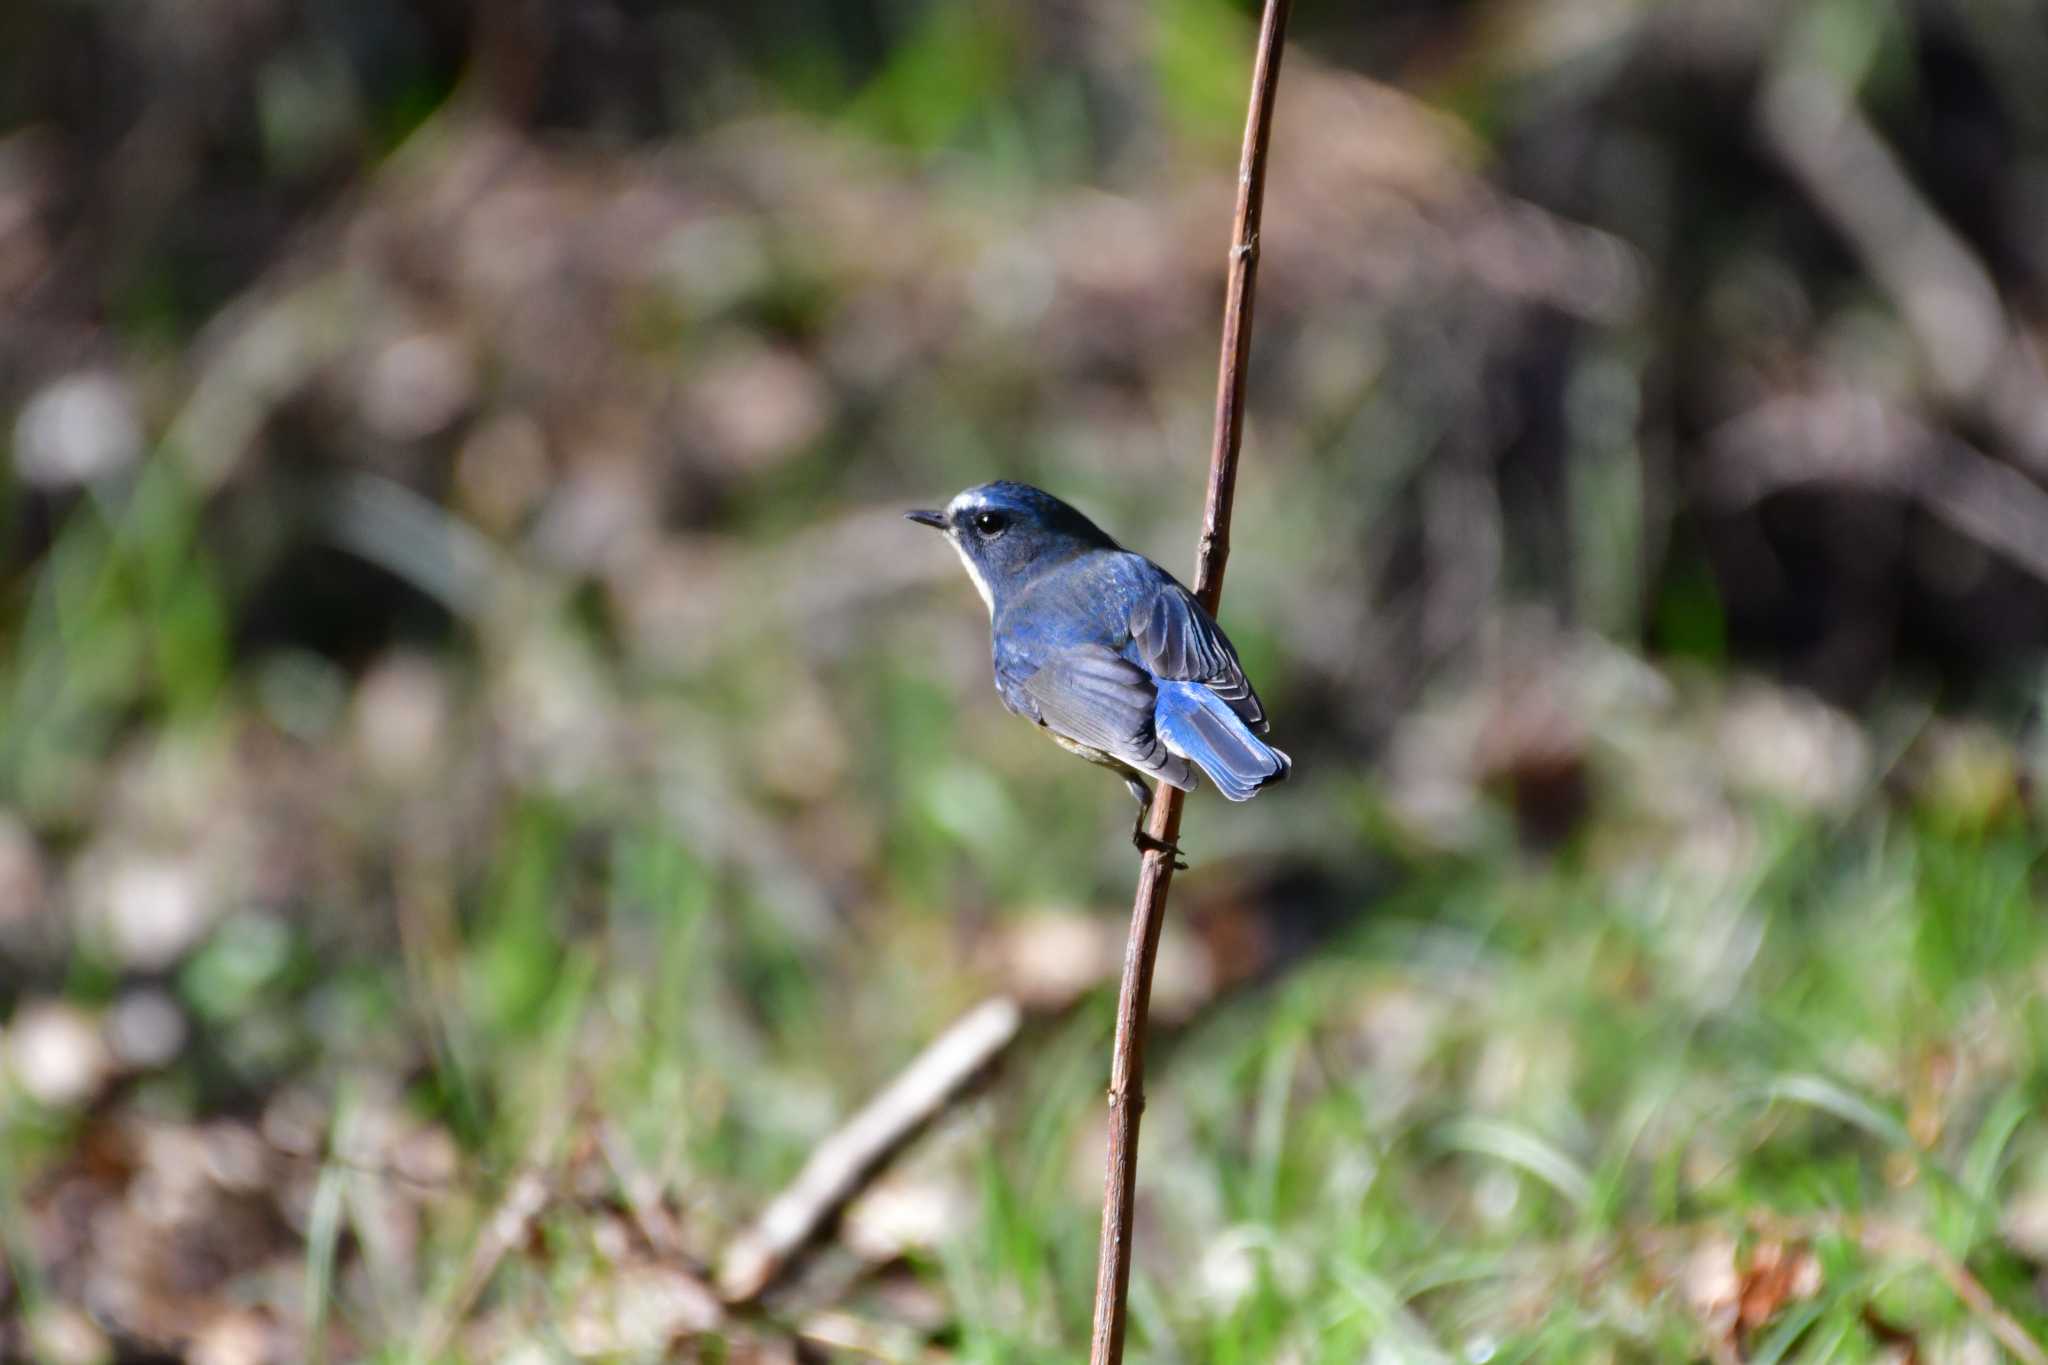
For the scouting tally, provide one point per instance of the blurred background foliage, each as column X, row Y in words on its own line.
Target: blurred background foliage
column 488, row 781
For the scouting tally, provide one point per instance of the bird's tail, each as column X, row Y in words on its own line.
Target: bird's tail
column 1199, row 725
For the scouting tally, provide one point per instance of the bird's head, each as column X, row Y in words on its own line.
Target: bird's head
column 1006, row 532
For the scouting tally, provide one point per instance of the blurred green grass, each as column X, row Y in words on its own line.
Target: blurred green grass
column 1521, row 1108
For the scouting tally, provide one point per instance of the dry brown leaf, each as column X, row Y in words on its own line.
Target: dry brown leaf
column 1778, row 1273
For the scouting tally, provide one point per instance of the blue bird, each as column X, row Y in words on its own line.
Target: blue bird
column 1105, row 650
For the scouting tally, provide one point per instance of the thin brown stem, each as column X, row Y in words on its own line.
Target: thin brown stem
column 1155, row 874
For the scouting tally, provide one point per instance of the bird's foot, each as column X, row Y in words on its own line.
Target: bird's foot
column 1145, row 843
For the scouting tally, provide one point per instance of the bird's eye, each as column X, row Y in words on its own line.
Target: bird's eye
column 990, row 523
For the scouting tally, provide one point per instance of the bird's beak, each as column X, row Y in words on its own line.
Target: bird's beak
column 925, row 516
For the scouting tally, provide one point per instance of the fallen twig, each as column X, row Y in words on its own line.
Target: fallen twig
column 1880, row 1236
column 844, row 1163
column 1155, row 875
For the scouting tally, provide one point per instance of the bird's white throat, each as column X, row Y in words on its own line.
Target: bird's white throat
column 974, row 572
column 953, row 511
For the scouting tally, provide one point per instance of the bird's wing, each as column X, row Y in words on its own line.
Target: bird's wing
column 1013, row 665
column 1178, row 640
column 1093, row 696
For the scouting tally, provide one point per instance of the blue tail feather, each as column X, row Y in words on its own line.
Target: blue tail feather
column 1199, row 725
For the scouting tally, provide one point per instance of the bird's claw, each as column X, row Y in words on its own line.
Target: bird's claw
column 1146, row 843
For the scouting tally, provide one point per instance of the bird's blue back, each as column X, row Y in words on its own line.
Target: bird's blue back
column 1087, row 599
